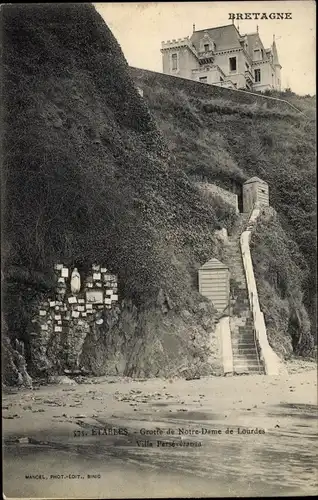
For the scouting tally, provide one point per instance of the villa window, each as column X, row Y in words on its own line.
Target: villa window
column 206, row 47
column 257, row 75
column 232, row 63
column 203, row 79
column 174, row 59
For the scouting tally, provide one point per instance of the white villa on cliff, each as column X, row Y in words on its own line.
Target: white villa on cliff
column 222, row 56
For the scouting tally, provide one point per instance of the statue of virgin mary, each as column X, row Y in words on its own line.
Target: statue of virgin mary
column 75, row 281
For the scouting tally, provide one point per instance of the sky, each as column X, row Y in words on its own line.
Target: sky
column 141, row 27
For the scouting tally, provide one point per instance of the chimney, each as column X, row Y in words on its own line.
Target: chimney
column 193, row 28
column 257, row 29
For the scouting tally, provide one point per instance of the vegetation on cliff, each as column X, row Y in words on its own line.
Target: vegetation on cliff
column 87, row 178
column 280, row 281
column 95, row 173
column 226, row 137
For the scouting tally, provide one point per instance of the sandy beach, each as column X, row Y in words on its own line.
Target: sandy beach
column 113, row 438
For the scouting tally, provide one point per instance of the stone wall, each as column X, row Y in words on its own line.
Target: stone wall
column 197, row 90
column 227, row 196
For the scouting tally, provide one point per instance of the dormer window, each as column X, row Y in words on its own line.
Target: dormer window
column 206, row 44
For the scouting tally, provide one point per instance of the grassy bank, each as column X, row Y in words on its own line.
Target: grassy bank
column 227, row 137
column 89, row 178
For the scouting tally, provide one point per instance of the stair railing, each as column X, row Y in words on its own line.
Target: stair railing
column 268, row 357
column 256, row 343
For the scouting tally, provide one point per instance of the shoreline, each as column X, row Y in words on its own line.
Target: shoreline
column 59, row 430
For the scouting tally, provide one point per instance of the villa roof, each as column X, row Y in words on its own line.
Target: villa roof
column 275, row 55
column 254, row 42
column 224, row 37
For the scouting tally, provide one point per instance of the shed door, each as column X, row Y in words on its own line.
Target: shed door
column 262, row 195
column 214, row 285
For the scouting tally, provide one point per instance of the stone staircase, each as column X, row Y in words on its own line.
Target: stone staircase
column 245, row 355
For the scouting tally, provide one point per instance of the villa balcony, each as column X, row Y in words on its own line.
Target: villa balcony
column 206, row 57
column 214, row 67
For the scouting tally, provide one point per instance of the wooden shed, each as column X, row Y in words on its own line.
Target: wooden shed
column 255, row 193
column 214, row 283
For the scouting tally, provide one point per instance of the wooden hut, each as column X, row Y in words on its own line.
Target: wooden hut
column 214, row 283
column 255, row 194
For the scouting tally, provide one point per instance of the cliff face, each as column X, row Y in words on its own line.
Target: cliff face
column 88, row 178
column 280, row 283
column 226, row 137
column 93, row 173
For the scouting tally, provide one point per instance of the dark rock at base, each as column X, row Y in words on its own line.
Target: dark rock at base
column 14, row 370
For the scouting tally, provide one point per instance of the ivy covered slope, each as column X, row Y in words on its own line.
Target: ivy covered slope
column 88, row 178
column 281, row 281
column 226, row 137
